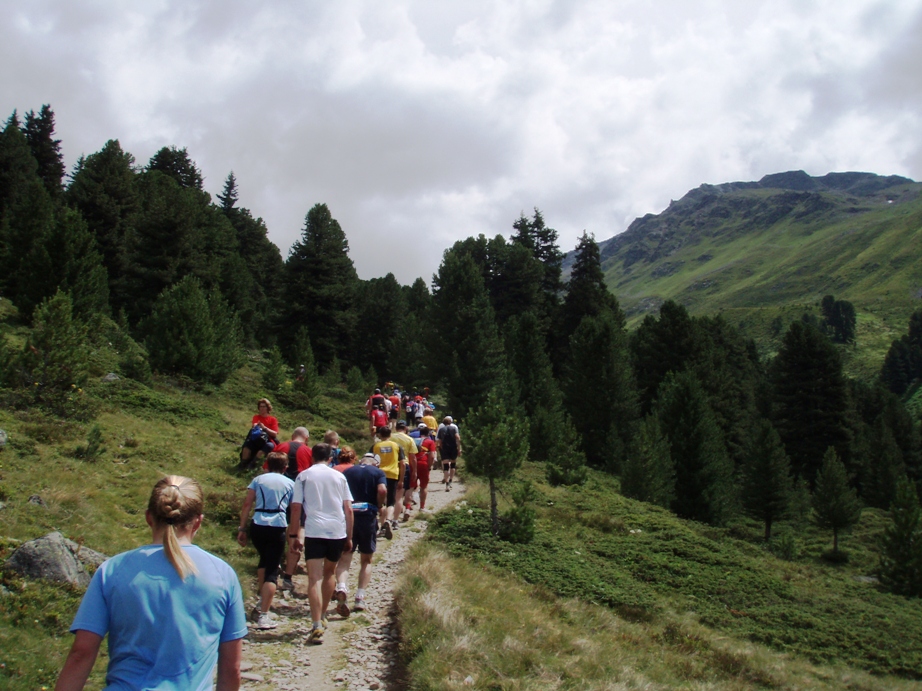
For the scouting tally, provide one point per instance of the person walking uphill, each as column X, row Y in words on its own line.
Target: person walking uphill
column 392, row 458
column 172, row 611
column 271, row 493
column 323, row 494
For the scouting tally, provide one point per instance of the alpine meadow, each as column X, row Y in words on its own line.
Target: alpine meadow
column 692, row 451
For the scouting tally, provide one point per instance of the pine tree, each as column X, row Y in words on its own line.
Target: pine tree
column 541, row 241
column 381, row 330
column 900, row 566
column 193, row 333
column 648, row 473
column 274, row 373
column 566, row 462
column 320, row 287
column 228, row 198
column 766, row 477
column 497, row 444
column 810, row 399
column 598, row 382
column 178, row 165
column 39, row 132
column 835, row 504
column 307, row 380
column 104, row 191
column 468, row 354
column 704, row 471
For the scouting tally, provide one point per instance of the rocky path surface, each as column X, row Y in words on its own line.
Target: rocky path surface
column 358, row 652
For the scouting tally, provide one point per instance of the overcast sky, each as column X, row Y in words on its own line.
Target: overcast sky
column 420, row 122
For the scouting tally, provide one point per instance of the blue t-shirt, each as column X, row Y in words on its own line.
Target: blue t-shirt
column 273, row 495
column 363, row 483
column 163, row 632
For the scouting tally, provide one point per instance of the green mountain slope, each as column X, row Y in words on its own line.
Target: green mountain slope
column 757, row 251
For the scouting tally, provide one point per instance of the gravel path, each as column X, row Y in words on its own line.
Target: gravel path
column 358, row 652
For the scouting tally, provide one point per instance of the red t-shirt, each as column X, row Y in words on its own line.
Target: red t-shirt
column 425, row 448
column 342, row 467
column 379, row 418
column 269, row 421
column 304, row 456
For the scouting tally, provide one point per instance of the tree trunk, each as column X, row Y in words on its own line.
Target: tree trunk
column 768, row 529
column 494, row 516
column 835, row 540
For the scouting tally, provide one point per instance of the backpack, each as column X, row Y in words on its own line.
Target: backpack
column 257, row 434
column 449, row 440
column 292, row 470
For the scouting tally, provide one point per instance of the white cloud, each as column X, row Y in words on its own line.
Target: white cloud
column 422, row 122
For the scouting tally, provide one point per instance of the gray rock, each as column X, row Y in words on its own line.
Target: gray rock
column 54, row 558
column 37, row 500
column 2, row 505
column 112, row 376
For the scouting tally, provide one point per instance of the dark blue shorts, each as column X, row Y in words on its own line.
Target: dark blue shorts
column 322, row 548
column 365, row 531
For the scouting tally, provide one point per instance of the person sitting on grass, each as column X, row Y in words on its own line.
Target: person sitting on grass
column 261, row 439
column 173, row 612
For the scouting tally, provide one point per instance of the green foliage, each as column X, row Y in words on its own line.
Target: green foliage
column 835, row 504
column 517, row 525
column 307, row 381
column 704, row 488
column 648, row 473
column 901, row 552
column 599, row 384
column 497, row 443
column 177, row 164
column 355, row 380
column 903, row 363
column 275, row 373
column 191, row 333
column 566, row 462
column 766, row 478
column 94, row 448
column 39, row 133
column 810, row 399
column 840, row 319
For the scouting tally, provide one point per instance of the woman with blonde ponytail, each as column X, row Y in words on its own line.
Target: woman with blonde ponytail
column 173, row 611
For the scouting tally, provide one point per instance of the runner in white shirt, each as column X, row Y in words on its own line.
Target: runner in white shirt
column 323, row 494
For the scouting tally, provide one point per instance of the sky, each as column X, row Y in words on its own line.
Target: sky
column 422, row 122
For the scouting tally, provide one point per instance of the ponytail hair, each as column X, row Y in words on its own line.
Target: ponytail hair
column 176, row 501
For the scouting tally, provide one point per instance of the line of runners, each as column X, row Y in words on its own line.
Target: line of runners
column 327, row 503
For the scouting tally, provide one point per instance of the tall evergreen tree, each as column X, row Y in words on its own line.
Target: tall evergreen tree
column 767, row 485
column 178, row 165
column 39, row 131
column 903, row 363
column 901, row 552
column 648, row 473
column 810, row 401
column 468, row 354
column 586, row 295
column 840, row 319
column 228, row 198
column 704, row 471
column 382, row 327
column 307, row 379
column 541, row 241
column 598, row 382
column 660, row 346
column 835, row 504
column 104, row 190
column 320, row 287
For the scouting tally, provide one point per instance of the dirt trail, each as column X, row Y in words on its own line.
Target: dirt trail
column 357, row 652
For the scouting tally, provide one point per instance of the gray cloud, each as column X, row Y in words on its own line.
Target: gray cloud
column 420, row 123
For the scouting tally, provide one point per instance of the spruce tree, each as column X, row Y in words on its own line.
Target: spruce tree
column 307, row 380
column 497, row 444
column 566, row 462
column 274, row 371
column 810, row 399
column 648, row 473
column 835, row 504
column 541, row 241
column 228, row 197
column 178, row 165
column 900, row 566
column 39, row 132
column 767, row 485
column 598, row 382
column 704, row 472
column 467, row 353
column 104, row 190
column 320, row 287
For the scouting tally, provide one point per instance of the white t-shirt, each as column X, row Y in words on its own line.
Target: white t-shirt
column 321, row 492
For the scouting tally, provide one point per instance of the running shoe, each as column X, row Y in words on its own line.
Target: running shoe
column 406, row 516
column 316, row 635
column 342, row 609
column 359, row 605
column 255, row 614
column 264, row 622
column 285, row 583
column 388, row 531
column 448, row 487
column 395, row 524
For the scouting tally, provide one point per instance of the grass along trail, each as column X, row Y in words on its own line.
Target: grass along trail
column 358, row 652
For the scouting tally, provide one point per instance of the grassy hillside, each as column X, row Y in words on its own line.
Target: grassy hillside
column 147, row 432
column 763, row 253
column 614, row 593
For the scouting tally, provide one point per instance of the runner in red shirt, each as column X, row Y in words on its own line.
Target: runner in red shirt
column 255, row 446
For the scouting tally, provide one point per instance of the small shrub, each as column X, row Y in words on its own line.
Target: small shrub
column 94, row 448
column 785, row 546
column 518, row 524
column 355, row 380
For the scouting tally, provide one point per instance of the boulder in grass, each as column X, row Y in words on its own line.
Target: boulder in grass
column 55, row 558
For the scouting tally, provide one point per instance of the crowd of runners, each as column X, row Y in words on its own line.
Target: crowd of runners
column 175, row 613
column 328, row 501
